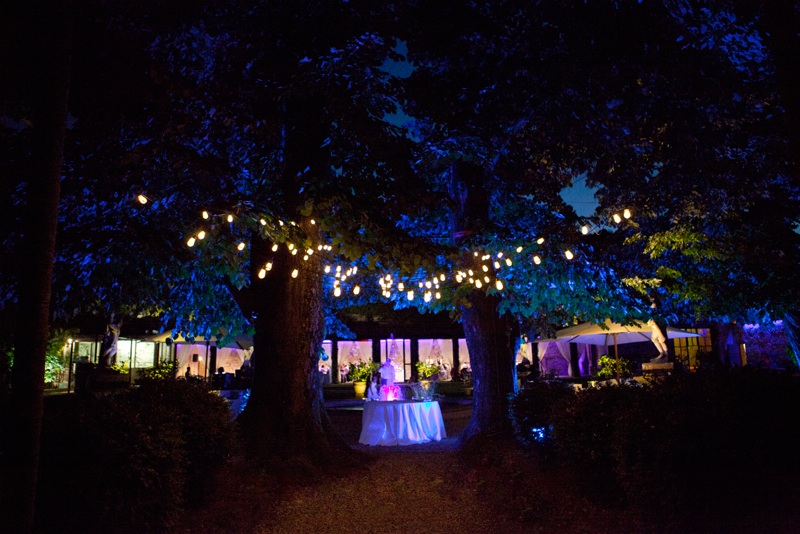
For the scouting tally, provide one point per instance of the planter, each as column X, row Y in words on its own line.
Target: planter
column 361, row 389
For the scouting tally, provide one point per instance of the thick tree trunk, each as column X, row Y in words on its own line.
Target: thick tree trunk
column 285, row 418
column 49, row 112
column 492, row 341
column 791, row 322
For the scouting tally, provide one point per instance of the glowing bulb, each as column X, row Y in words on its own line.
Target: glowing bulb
column 338, row 268
column 421, row 285
column 442, row 277
column 400, row 286
column 459, row 278
column 428, row 284
column 355, row 269
column 617, row 218
column 476, row 253
column 275, row 247
column 568, row 254
column 626, row 213
column 240, row 246
column 509, row 262
column 291, row 246
column 337, row 291
column 305, row 257
column 584, row 229
column 269, row 265
column 295, row 273
column 470, row 273
column 280, row 222
column 540, row 240
column 142, row 199
column 230, row 218
column 486, row 279
column 499, row 285
column 327, row 268
column 262, row 273
column 205, row 215
column 410, row 295
column 356, row 290
column 313, row 221
column 190, row 242
column 201, row 235
column 499, row 254
column 263, row 222
column 427, row 296
column 497, row 265
column 310, row 251
column 537, row 260
column 294, row 252
column 438, row 295
column 519, row 249
column 478, row 284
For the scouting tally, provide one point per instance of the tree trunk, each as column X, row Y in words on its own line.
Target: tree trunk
column 492, row 341
column 285, row 418
column 791, row 322
column 51, row 42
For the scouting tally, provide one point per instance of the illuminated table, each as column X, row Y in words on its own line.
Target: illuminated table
column 401, row 423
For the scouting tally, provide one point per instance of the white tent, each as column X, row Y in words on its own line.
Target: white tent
column 607, row 334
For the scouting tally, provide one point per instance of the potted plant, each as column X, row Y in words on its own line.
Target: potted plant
column 360, row 373
column 427, row 374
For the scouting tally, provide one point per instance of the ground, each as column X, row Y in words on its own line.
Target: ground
column 428, row 488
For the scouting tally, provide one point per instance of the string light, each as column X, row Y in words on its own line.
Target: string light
column 401, row 287
column 263, row 222
column 269, row 265
column 519, row 249
column 478, row 284
column 356, row 290
column 497, row 265
column 509, row 262
column 626, row 213
column 190, row 242
column 241, row 246
column 201, row 235
column 540, row 240
column 313, row 222
column 262, row 273
column 295, row 273
column 205, row 215
column 499, row 285
column 568, row 254
column 230, row 218
column 275, row 247
column 337, row 291
column 438, row 295
column 537, row 260
column 410, row 295
column 427, row 296
column 617, row 218
column 142, row 199
column 327, row 269
column 584, row 229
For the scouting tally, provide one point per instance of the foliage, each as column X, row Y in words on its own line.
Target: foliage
column 531, row 411
column 427, row 370
column 731, row 433
column 136, row 458
column 361, row 371
column 608, row 367
column 120, row 368
column 165, row 371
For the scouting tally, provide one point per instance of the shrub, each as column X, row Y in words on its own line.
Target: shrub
column 531, row 411
column 129, row 460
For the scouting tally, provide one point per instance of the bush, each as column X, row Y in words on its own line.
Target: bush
column 129, row 460
column 708, row 444
column 531, row 411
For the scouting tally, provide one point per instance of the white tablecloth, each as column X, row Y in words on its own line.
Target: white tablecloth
column 401, row 423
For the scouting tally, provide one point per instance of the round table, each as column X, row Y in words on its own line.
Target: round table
column 401, row 423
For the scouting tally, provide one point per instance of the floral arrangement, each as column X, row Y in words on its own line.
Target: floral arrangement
column 608, row 367
column 427, row 370
column 361, row 371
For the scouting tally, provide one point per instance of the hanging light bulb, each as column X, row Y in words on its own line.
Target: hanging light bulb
column 478, row 284
column 280, row 222
column 428, row 284
column 305, row 257
column 438, row 295
column 337, row 291
column 519, row 249
column 459, row 278
column 499, row 285
column 540, row 240
column 205, row 214
column 584, row 229
column 497, row 265
column 486, row 279
column 400, row 286
column 356, row 290
column 355, row 269
column 537, row 260
column 427, row 297
column 190, row 242
column 262, row 273
column 295, row 273
column 421, row 285
column 240, row 246
column 327, row 269
column 617, row 218
column 263, row 222
column 294, row 252
column 500, row 254
column 469, row 272
column 313, row 222
column 269, row 265
column 201, row 235
column 626, row 213
column 509, row 262
column 142, row 199
column 230, row 218
column 476, row 253
column 275, row 247
column 568, row 254
column 442, row 277
column 410, row 295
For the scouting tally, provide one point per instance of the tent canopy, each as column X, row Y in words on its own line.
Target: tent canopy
column 609, row 333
